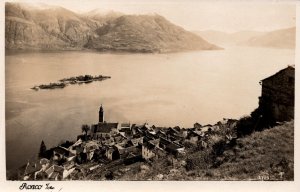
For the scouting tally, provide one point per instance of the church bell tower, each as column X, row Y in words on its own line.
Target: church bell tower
column 101, row 114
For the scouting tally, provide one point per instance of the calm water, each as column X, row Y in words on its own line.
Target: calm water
column 161, row 89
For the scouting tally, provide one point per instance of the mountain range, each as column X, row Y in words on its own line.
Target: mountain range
column 32, row 27
column 282, row 38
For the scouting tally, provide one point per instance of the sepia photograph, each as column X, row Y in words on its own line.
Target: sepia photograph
column 149, row 90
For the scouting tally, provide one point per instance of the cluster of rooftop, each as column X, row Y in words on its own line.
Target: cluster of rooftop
column 105, row 145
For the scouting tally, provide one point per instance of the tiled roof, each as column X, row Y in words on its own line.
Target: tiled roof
column 54, row 168
column 125, row 125
column 105, row 127
column 54, row 175
column 125, row 130
column 164, row 141
column 154, row 142
column 161, row 132
column 200, row 133
column 288, row 67
column 172, row 131
column 174, row 146
column 195, row 133
column 58, row 168
column 148, row 145
column 61, row 150
column 49, row 170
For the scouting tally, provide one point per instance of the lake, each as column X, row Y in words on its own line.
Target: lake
column 160, row 89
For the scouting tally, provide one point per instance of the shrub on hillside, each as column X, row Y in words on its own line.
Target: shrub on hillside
column 219, row 147
column 245, row 126
column 257, row 121
column 199, row 160
column 189, row 146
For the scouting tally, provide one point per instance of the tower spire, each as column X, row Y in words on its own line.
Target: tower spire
column 101, row 114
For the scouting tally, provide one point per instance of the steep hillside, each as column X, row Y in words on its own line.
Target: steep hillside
column 266, row 155
column 146, row 33
column 284, row 38
column 51, row 27
column 45, row 28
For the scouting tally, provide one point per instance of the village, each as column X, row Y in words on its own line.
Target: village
column 104, row 145
column 105, row 149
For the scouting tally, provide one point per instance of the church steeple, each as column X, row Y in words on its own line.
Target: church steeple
column 101, row 114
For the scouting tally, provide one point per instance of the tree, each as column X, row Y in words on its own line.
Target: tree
column 42, row 149
column 85, row 128
column 109, row 175
column 245, row 126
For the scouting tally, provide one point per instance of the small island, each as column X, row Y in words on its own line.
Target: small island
column 71, row 80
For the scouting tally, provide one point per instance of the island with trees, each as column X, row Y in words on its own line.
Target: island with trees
column 71, row 80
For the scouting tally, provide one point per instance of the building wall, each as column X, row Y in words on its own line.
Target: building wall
column 112, row 154
column 194, row 139
column 128, row 149
column 277, row 97
column 99, row 135
column 146, row 153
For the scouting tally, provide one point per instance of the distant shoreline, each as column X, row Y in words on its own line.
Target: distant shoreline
column 100, row 51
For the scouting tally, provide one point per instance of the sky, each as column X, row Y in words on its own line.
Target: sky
column 227, row 16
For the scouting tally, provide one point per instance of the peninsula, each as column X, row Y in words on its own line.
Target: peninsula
column 71, row 80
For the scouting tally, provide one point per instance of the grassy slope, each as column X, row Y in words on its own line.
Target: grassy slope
column 259, row 156
column 261, row 153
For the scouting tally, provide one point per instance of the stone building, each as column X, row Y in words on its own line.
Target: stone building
column 103, row 129
column 278, row 95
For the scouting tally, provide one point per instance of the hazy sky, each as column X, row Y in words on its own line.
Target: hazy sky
column 227, row 16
